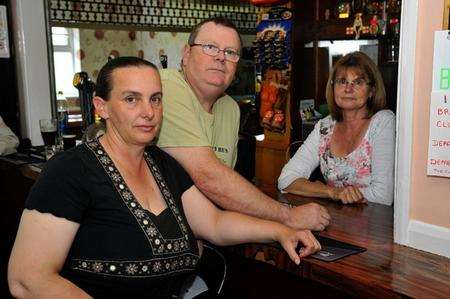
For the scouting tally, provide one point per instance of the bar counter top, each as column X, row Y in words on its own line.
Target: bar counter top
column 384, row 270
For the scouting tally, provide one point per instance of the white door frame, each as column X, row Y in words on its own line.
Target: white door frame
column 405, row 103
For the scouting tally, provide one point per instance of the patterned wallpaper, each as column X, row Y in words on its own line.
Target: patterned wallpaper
column 97, row 45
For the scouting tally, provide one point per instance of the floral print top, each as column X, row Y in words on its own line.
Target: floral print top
column 351, row 170
column 370, row 167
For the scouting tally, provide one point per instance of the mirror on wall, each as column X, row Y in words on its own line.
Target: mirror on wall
column 339, row 48
column 87, row 49
column 83, row 34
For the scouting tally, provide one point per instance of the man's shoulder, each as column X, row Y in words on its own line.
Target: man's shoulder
column 228, row 103
column 174, row 88
column 170, row 78
column 169, row 74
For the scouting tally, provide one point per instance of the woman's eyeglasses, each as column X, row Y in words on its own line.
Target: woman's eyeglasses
column 211, row 50
column 355, row 84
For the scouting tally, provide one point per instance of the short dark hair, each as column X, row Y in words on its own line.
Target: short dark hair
column 103, row 86
column 370, row 71
column 219, row 20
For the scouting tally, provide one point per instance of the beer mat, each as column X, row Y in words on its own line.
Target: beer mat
column 333, row 250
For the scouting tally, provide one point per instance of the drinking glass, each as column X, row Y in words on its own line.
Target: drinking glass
column 48, row 130
column 69, row 141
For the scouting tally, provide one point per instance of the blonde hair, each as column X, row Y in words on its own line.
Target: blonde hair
column 360, row 61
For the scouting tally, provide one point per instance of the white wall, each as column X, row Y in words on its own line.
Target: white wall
column 32, row 66
column 419, row 20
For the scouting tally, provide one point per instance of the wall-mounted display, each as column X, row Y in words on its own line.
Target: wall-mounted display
column 272, row 57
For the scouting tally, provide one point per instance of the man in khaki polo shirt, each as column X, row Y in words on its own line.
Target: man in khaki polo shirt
column 200, row 127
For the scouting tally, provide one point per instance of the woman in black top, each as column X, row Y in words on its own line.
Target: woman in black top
column 112, row 218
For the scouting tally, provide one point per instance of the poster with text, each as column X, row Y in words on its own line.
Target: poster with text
column 439, row 138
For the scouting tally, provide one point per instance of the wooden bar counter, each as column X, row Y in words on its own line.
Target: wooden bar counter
column 385, row 270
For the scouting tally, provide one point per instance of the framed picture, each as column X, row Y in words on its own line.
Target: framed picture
column 446, row 23
column 4, row 42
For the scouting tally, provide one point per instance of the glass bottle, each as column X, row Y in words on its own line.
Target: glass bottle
column 63, row 118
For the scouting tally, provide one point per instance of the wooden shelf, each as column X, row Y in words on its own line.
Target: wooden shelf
column 331, row 30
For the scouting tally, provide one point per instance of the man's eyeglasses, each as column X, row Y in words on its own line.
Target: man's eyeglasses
column 211, row 50
column 355, row 84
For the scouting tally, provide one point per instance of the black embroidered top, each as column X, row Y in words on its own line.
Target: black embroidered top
column 120, row 249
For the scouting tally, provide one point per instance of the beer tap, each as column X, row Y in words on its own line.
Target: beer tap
column 85, row 87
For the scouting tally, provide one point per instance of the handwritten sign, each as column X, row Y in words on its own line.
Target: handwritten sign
column 439, row 140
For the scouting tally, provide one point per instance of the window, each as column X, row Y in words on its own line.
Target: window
column 66, row 43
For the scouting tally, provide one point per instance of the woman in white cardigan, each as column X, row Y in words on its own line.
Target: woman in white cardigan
column 354, row 146
column 8, row 140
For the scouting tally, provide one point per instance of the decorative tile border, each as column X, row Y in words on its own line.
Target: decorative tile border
column 170, row 15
